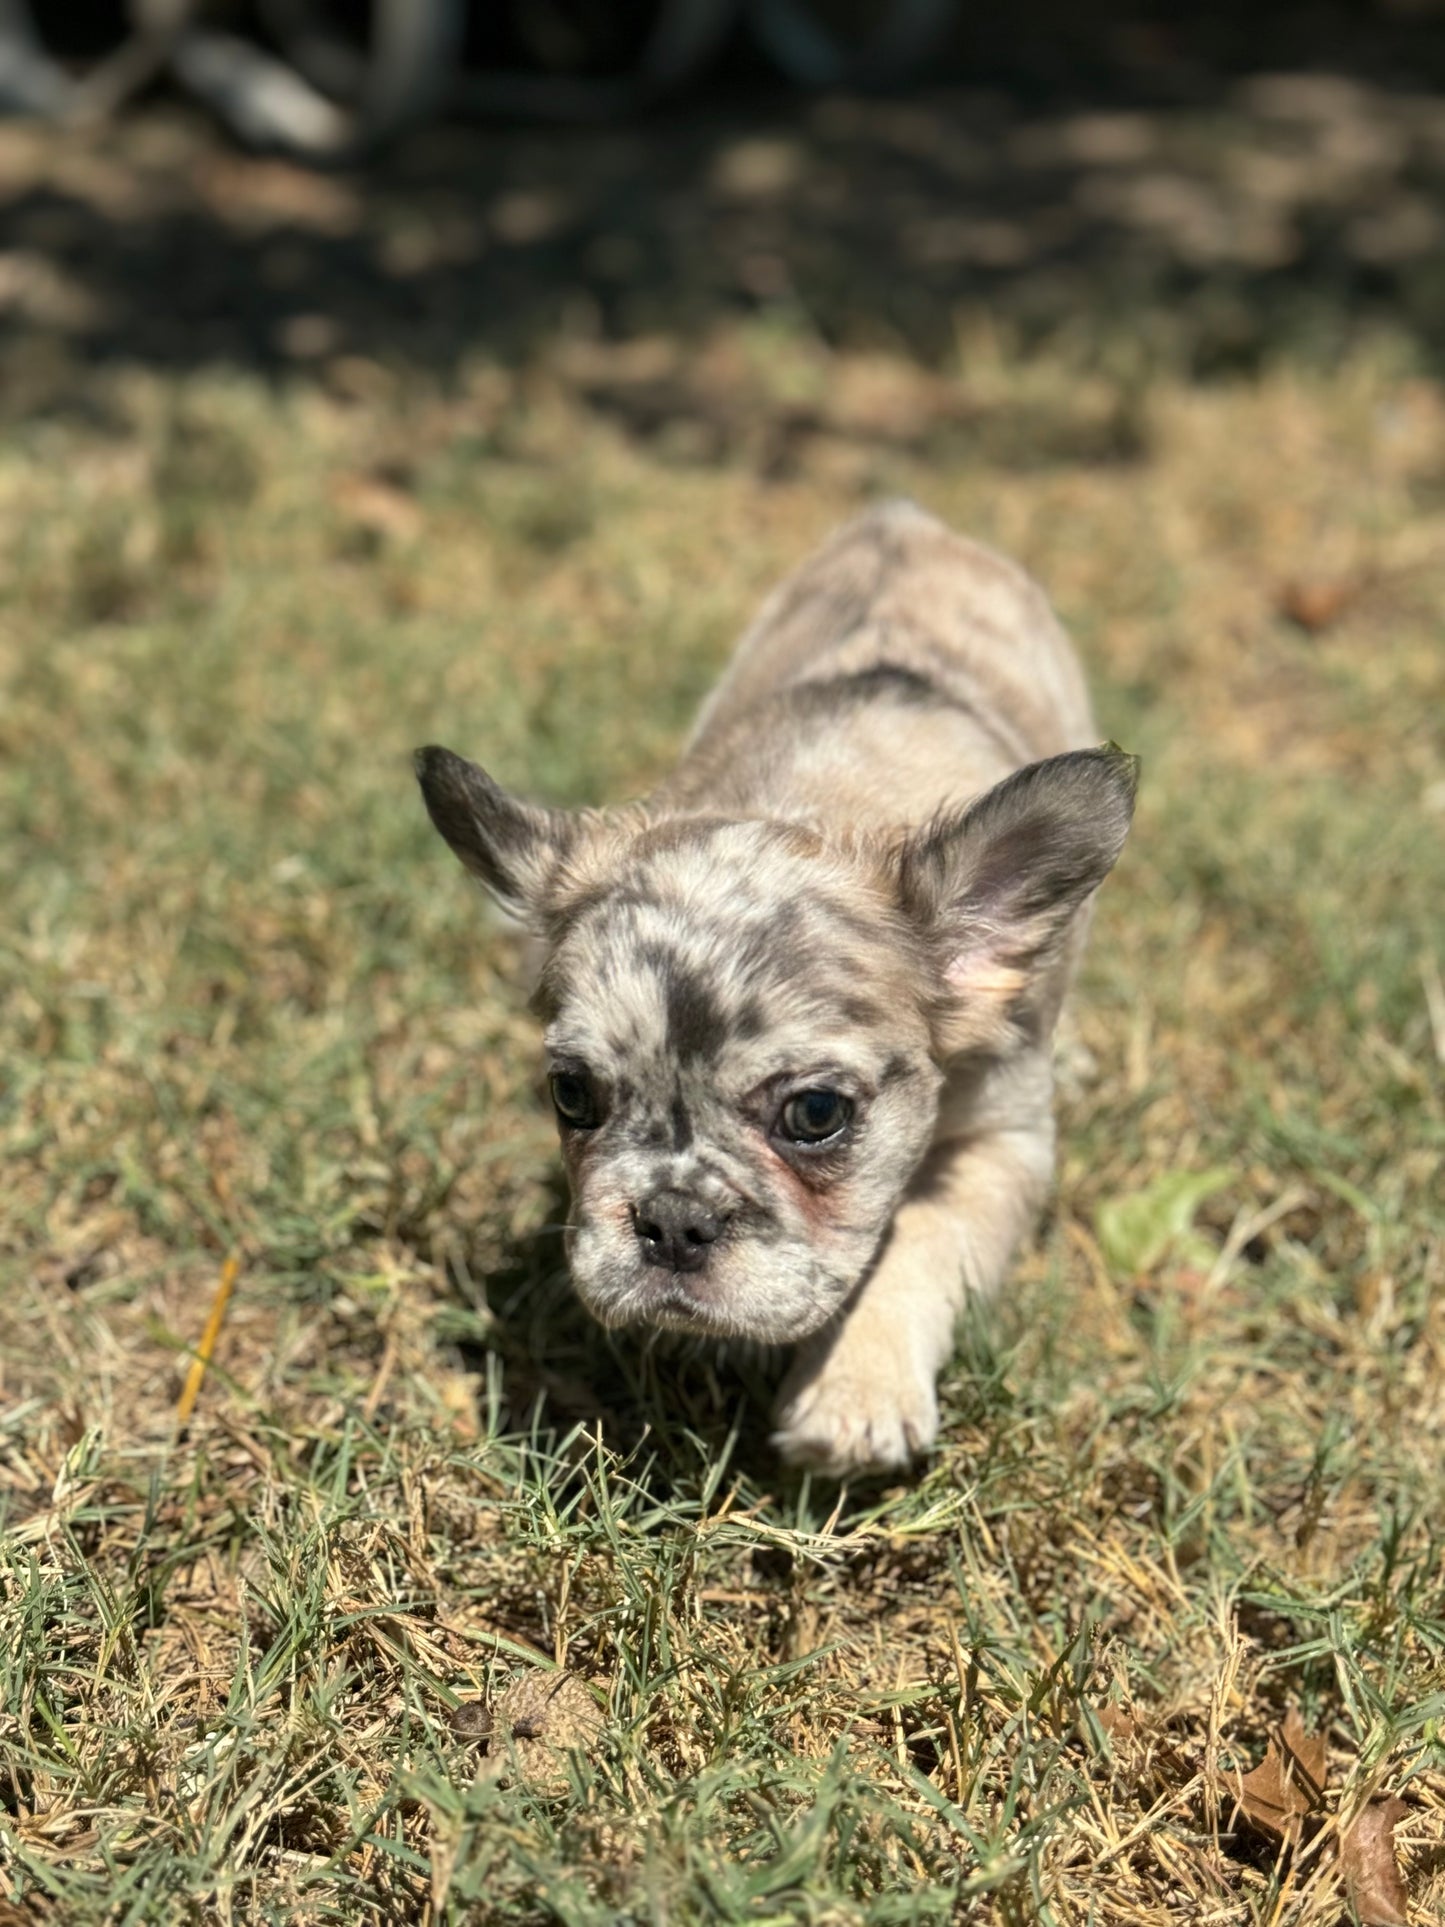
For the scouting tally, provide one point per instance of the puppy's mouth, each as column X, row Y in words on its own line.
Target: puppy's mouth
column 705, row 1307
column 676, row 1301
column 677, row 1304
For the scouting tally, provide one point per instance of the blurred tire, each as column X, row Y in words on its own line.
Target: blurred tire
column 848, row 43
column 677, row 40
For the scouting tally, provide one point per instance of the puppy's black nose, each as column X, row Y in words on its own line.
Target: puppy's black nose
column 675, row 1230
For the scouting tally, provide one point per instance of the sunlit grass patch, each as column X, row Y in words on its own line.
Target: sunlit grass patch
column 249, row 1006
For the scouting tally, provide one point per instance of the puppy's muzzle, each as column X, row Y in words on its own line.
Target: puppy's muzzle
column 675, row 1231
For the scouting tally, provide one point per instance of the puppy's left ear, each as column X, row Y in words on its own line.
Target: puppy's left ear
column 516, row 849
column 997, row 888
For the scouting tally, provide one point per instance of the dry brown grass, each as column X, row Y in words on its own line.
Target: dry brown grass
column 245, row 1006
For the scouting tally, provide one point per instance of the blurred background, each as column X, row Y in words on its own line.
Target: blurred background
column 1232, row 179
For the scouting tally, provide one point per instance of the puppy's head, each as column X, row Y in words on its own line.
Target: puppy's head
column 746, row 1021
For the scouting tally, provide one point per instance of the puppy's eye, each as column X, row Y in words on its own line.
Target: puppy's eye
column 815, row 1117
column 574, row 1100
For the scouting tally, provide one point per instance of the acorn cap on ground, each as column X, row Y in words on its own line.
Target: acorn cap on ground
column 536, row 1723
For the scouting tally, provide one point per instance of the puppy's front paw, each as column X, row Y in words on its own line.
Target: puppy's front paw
column 863, row 1405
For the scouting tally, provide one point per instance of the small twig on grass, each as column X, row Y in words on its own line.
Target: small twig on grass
column 195, row 1377
column 383, row 1376
column 1248, row 1226
column 1434, row 1003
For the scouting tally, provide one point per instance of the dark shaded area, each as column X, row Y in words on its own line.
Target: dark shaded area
column 1199, row 192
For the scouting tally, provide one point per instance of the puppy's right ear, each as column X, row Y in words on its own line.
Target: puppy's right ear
column 513, row 848
column 996, row 888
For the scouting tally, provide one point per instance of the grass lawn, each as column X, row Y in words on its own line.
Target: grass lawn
column 1192, row 1473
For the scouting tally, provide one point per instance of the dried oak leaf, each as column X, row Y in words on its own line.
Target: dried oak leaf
column 1372, row 1873
column 536, row 1723
column 1288, row 1783
column 1150, row 1754
column 1118, row 1724
column 377, row 506
column 1315, row 603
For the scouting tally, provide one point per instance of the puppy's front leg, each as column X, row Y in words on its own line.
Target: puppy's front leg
column 860, row 1395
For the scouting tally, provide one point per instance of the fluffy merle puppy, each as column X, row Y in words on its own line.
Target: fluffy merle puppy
column 799, row 1003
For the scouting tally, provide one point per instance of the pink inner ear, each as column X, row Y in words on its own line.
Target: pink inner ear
column 983, row 989
column 979, row 972
column 981, row 964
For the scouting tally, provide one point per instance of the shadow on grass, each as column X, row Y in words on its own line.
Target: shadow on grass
column 1208, row 190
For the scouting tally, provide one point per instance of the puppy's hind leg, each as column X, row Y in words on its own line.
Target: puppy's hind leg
column 860, row 1396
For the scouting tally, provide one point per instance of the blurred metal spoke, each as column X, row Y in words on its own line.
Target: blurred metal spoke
column 34, row 81
column 331, row 96
column 30, row 81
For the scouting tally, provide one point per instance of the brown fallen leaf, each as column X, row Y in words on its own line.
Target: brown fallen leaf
column 1372, row 1873
column 1314, row 603
column 66, row 1270
column 1288, row 1783
column 1151, row 1755
column 377, row 506
column 1118, row 1724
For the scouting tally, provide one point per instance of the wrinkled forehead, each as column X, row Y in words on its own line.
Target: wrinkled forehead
column 744, row 953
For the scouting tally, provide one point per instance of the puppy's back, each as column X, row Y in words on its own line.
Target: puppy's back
column 902, row 662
